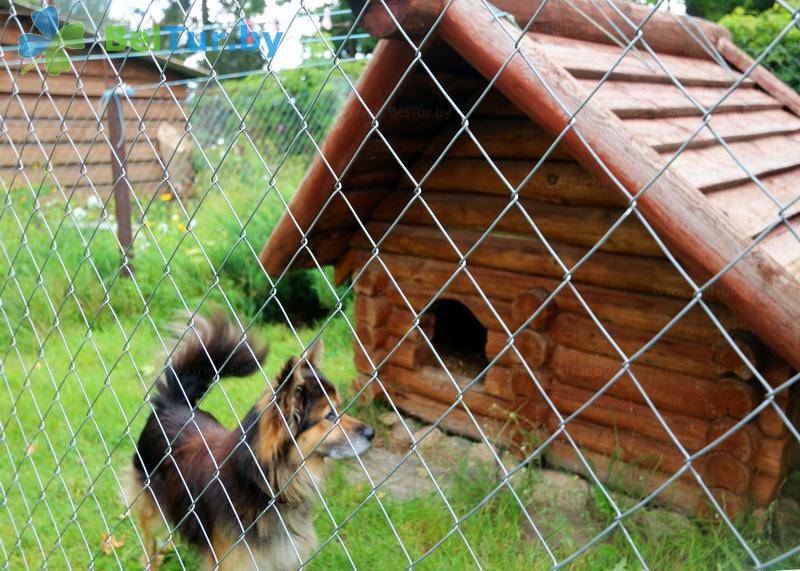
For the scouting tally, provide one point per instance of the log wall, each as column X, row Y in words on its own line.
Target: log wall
column 689, row 393
column 56, row 119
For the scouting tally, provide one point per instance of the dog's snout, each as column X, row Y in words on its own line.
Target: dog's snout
column 367, row 432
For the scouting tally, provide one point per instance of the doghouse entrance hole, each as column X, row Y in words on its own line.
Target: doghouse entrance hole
column 459, row 338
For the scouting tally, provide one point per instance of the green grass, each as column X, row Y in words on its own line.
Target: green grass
column 103, row 446
column 73, row 397
column 105, row 388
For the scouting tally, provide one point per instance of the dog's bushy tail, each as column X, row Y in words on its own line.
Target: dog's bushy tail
column 213, row 349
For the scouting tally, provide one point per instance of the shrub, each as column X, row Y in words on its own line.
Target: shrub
column 716, row 9
column 303, row 295
column 754, row 33
column 282, row 112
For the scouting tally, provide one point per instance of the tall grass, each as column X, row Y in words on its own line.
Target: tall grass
column 66, row 263
column 82, row 344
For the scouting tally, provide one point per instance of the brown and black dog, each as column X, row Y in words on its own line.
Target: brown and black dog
column 210, row 483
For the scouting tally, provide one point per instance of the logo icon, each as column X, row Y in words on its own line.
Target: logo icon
column 53, row 44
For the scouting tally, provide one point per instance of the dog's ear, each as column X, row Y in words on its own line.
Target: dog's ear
column 291, row 384
column 315, row 353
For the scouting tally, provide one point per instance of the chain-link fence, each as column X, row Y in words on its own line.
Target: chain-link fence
column 537, row 239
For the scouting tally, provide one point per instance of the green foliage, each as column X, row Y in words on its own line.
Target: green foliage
column 75, row 265
column 602, row 504
column 231, row 216
column 285, row 114
column 231, row 12
column 235, row 61
column 716, row 9
column 342, row 25
column 755, row 32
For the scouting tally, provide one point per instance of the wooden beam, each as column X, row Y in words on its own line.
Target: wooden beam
column 670, row 133
column 759, row 289
column 517, row 254
column 683, row 493
column 719, row 469
column 433, row 383
column 644, row 312
column 554, row 181
column 592, row 60
column 389, row 62
column 58, row 155
column 632, row 100
column 664, row 32
column 583, row 334
column 667, row 390
column 456, row 420
column 762, row 76
column 630, row 447
column 750, row 209
column 578, row 225
column 625, row 415
column 385, row 18
column 714, row 168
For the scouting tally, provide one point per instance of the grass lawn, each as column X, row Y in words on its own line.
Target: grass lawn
column 80, row 347
column 101, row 413
column 61, row 484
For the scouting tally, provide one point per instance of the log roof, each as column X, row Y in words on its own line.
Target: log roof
column 706, row 206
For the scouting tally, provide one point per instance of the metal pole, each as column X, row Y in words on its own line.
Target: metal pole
column 122, row 198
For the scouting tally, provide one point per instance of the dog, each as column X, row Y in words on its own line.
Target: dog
column 243, row 497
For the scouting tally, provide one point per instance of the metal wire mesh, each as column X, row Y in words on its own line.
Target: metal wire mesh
column 211, row 163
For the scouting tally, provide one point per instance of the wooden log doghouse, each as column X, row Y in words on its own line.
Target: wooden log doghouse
column 526, row 288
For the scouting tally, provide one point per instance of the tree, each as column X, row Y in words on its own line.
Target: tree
column 234, row 61
column 755, row 32
column 716, row 9
column 228, row 61
column 175, row 12
column 341, row 25
column 338, row 25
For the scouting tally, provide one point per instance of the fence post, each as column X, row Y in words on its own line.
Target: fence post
column 121, row 191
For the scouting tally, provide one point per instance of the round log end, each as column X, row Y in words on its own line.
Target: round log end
column 527, row 303
column 764, row 489
column 732, row 397
column 727, row 360
column 524, row 386
column 371, row 392
column 770, row 422
column 742, row 444
column 722, row 470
